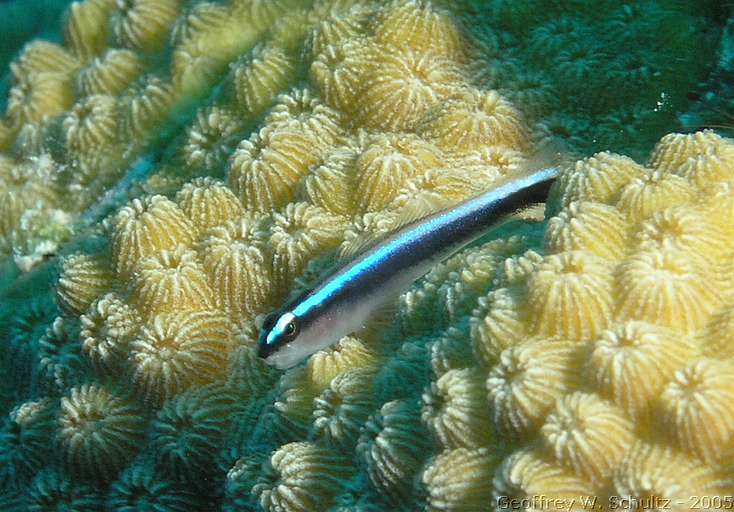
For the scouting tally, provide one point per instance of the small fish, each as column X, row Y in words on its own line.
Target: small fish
column 344, row 301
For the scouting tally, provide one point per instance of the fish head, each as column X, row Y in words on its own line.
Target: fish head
column 286, row 339
column 278, row 333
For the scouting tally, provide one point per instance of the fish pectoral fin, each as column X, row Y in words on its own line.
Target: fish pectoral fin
column 534, row 212
column 378, row 321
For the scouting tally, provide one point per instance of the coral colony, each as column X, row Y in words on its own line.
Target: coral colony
column 172, row 170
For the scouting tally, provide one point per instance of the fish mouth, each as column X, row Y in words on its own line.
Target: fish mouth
column 284, row 358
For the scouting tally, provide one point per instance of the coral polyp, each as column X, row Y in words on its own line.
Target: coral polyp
column 109, row 74
column 421, row 27
column 409, row 85
column 523, row 387
column 96, row 423
column 386, row 165
column 459, row 479
column 588, row 435
column 170, row 280
column 176, row 350
column 145, row 227
column 83, row 279
column 208, row 203
column 258, row 79
column 627, row 352
column 144, row 24
column 107, row 329
column 474, row 120
column 300, row 477
column 239, row 265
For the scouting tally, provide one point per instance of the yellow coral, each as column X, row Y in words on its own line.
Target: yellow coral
column 109, row 74
column 258, row 78
column 106, row 332
column 599, row 178
column 331, row 184
column 504, row 160
column 459, row 480
column 210, row 138
column 676, row 149
column 439, row 189
column 302, row 112
column 200, row 60
column 91, row 125
column 386, row 165
column 263, row 12
column 525, row 478
column 198, row 19
column 652, row 192
column 325, row 365
column 83, row 278
column 588, row 435
column 525, row 384
column 144, row 227
column 712, row 166
column 144, row 107
column 86, row 27
column 455, row 410
column 170, row 281
column 717, row 339
column 239, row 266
column 652, row 476
column 475, row 120
column 266, row 169
column 694, row 409
column 420, row 26
column 570, row 295
column 392, row 448
column 684, row 228
column 403, row 86
column 367, row 227
column 299, row 233
column 300, row 477
column 208, row 203
column 666, row 286
column 178, row 350
column 499, row 322
column 337, row 72
column 631, row 363
column 38, row 96
column 144, row 24
column 29, row 185
column 342, row 408
column 338, row 26
column 591, row 227
column 43, row 57
column 99, row 431
column 294, row 404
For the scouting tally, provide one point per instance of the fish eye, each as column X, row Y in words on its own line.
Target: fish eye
column 290, row 329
